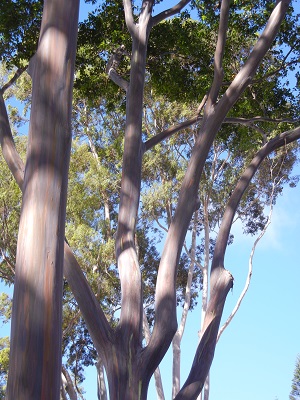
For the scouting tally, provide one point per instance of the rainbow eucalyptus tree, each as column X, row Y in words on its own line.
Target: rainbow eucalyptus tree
column 35, row 355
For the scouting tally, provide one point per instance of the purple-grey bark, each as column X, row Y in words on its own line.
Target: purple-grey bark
column 35, row 357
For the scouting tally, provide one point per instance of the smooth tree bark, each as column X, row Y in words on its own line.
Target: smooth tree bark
column 35, row 358
column 157, row 375
column 205, row 392
column 176, row 342
column 101, row 386
column 67, row 384
column 206, row 198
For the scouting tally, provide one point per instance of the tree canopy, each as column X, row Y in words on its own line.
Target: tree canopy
column 295, row 392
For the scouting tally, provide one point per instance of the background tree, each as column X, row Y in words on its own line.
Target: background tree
column 295, row 392
column 4, row 360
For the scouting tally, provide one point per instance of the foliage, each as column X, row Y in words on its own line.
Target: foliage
column 5, row 307
column 10, row 201
column 295, row 392
column 5, row 315
column 4, row 359
column 19, row 27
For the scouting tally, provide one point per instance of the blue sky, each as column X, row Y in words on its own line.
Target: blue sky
column 256, row 354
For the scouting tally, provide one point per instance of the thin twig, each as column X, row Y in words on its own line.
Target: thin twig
column 8, row 84
column 193, row 259
column 250, row 266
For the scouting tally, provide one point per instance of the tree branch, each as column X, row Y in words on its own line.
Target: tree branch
column 129, row 16
column 165, row 134
column 169, row 132
column 117, row 79
column 233, row 203
column 71, row 324
column 219, row 53
column 249, row 121
column 268, row 75
column 175, row 128
column 187, row 297
column 169, row 12
column 162, row 227
column 250, row 267
column 99, row 328
column 191, row 257
column 128, row 264
column 176, row 343
column 248, row 279
column 206, row 348
column 10, row 265
column 157, row 375
column 8, row 84
column 146, row 14
column 69, row 384
column 283, row 64
column 247, row 72
column 219, row 290
column 10, row 154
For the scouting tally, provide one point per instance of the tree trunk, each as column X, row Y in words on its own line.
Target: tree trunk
column 205, row 281
column 68, row 384
column 157, row 375
column 176, row 342
column 222, row 283
column 101, row 392
column 35, row 358
column 128, row 378
column 206, row 388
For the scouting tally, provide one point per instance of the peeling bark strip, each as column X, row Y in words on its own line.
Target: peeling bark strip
column 37, row 307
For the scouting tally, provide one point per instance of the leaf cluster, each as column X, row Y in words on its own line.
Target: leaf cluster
column 4, row 361
column 5, row 307
column 295, row 391
column 19, row 30
column 10, row 205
